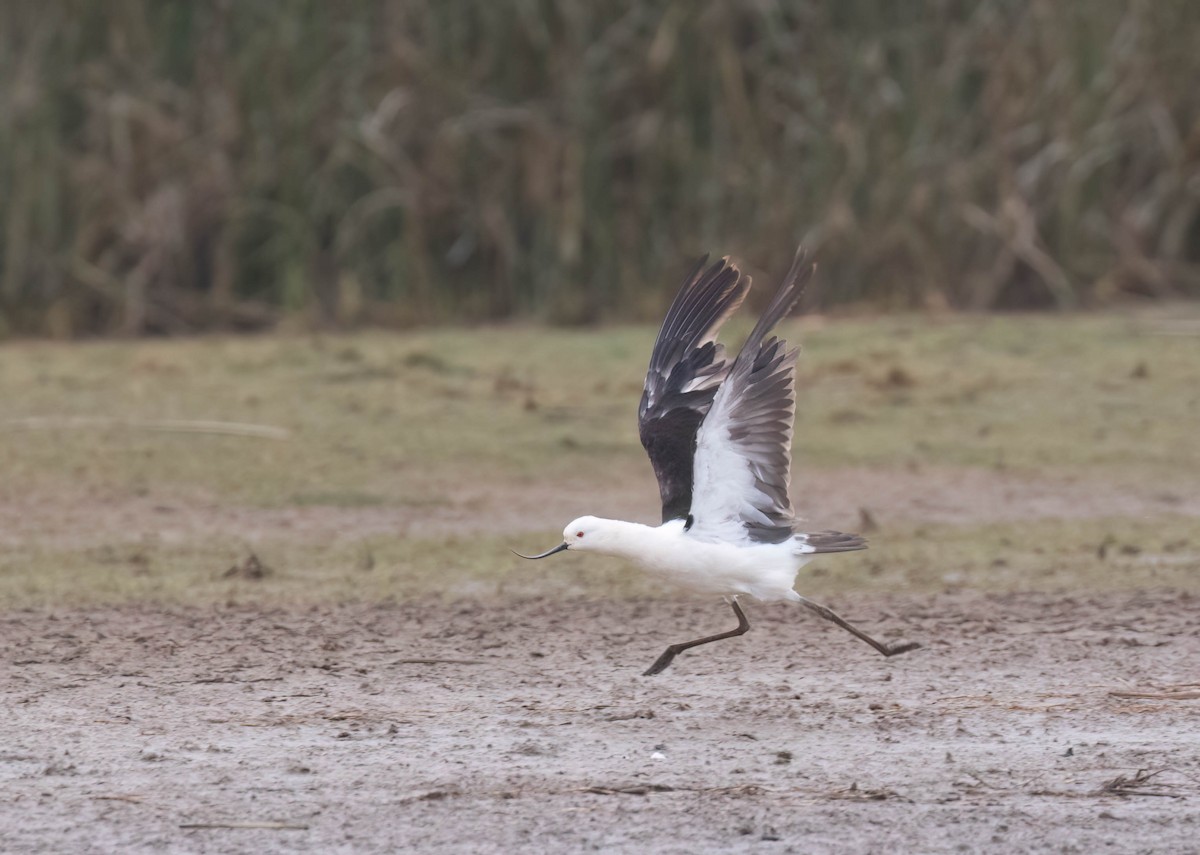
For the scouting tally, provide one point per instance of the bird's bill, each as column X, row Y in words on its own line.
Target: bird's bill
column 558, row 548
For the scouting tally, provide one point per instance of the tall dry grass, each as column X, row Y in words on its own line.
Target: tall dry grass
column 169, row 165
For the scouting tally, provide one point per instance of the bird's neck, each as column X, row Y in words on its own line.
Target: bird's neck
column 635, row 541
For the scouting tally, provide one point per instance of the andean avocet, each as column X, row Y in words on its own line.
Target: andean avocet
column 719, row 436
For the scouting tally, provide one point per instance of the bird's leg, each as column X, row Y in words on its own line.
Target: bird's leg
column 674, row 650
column 830, row 615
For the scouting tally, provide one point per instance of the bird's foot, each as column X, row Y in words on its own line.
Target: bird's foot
column 661, row 663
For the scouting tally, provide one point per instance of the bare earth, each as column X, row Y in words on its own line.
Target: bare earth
column 525, row 726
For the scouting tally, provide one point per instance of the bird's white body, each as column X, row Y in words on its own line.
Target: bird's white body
column 765, row 571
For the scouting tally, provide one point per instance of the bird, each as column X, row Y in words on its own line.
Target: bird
column 719, row 433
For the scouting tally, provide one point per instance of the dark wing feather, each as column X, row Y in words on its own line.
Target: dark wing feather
column 744, row 454
column 687, row 367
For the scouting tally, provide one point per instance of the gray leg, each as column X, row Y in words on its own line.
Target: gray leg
column 674, row 650
column 830, row 615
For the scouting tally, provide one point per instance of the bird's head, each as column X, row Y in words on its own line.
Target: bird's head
column 586, row 534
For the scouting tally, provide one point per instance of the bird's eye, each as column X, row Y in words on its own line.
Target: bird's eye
column 579, row 534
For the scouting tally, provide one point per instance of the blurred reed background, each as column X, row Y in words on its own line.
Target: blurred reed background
column 169, row 166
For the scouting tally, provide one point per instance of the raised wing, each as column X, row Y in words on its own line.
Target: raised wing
column 686, row 368
column 744, row 446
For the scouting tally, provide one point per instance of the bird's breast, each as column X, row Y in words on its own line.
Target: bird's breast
column 765, row 571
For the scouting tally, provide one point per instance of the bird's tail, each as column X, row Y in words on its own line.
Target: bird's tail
column 830, row 541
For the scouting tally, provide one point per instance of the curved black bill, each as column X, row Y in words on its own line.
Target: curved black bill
column 558, row 548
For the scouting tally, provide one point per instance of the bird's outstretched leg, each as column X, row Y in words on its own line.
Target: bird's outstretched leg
column 830, row 615
column 661, row 663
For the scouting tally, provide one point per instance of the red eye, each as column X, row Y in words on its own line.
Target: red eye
column 579, row 534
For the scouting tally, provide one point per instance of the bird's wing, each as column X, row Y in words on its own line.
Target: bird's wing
column 744, row 446
column 686, row 368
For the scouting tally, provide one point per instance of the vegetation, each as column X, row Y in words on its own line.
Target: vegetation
column 376, row 465
column 172, row 166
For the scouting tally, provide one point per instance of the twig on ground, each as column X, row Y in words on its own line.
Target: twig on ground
column 631, row 790
column 1122, row 786
column 854, row 794
column 264, row 825
column 1182, row 695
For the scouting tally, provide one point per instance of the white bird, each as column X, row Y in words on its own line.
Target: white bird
column 719, row 436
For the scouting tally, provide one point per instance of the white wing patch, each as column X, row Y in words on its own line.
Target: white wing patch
column 743, row 459
column 744, row 452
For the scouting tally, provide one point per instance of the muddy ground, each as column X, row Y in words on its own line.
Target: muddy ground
column 1028, row 722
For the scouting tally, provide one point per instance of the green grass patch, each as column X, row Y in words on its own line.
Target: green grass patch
column 410, row 424
column 1093, row 555
column 397, row 417
column 1045, row 555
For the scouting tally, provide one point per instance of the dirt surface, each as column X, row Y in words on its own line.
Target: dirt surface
column 525, row 725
